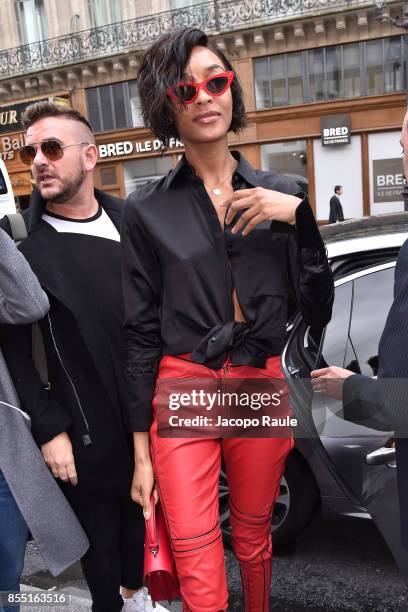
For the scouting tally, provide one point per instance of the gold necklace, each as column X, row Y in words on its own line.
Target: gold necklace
column 216, row 189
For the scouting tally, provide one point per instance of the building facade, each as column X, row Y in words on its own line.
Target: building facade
column 324, row 86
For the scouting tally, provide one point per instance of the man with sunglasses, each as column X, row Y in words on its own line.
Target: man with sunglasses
column 73, row 246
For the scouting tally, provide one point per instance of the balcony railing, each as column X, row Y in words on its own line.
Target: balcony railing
column 218, row 16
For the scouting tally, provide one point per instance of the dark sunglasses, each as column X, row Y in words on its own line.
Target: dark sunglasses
column 186, row 93
column 52, row 149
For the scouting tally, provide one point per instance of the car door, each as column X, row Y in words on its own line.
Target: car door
column 361, row 460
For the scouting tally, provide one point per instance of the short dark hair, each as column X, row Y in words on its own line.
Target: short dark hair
column 43, row 109
column 337, row 187
column 163, row 65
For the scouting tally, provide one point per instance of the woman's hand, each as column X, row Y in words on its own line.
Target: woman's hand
column 262, row 205
column 142, row 487
column 330, row 381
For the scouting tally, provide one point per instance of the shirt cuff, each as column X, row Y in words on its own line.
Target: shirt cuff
column 307, row 231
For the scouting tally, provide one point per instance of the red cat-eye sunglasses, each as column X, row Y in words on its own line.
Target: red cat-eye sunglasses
column 186, row 93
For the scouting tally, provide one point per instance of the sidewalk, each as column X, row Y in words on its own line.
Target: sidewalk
column 79, row 601
column 36, row 579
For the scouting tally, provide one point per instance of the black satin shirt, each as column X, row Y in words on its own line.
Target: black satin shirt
column 180, row 269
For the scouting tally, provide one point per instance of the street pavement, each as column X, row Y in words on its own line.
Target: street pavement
column 335, row 567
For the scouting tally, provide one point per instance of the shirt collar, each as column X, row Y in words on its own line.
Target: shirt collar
column 244, row 170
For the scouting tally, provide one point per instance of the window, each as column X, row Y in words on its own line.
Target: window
column 333, row 72
column 316, row 74
column 374, row 67
column 373, row 296
column 135, row 109
column 359, row 314
column 107, row 108
column 278, row 80
column 108, row 175
column 104, row 12
column 393, row 64
column 30, row 18
column 329, row 73
column 336, row 337
column 263, row 89
column 114, row 107
column 351, row 71
column 178, row 4
column 295, row 78
column 141, row 171
column 287, row 158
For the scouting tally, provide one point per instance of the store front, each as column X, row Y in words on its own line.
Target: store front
column 339, row 166
column 127, row 161
column 369, row 168
column 289, row 158
column 385, row 172
column 20, row 177
column 286, row 106
column 139, row 172
column 12, row 137
column 367, row 163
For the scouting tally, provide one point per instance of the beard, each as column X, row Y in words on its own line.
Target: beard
column 69, row 188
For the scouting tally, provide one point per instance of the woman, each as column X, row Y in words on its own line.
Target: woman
column 208, row 251
column 29, row 496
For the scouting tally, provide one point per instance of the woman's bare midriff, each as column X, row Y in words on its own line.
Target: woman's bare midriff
column 238, row 314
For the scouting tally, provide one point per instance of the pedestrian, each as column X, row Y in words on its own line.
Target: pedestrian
column 336, row 209
column 381, row 403
column 29, row 498
column 206, row 296
column 73, row 246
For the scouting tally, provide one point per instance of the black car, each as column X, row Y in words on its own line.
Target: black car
column 347, row 469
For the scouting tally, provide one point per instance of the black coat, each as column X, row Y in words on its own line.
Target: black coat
column 83, row 342
column 336, row 210
column 382, row 403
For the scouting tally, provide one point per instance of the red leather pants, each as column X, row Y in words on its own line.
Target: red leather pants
column 187, row 472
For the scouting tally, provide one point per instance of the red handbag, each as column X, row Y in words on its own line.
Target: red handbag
column 160, row 574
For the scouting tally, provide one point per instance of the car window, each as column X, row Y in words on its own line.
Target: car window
column 336, row 337
column 373, row 296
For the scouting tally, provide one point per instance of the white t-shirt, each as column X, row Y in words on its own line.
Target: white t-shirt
column 100, row 225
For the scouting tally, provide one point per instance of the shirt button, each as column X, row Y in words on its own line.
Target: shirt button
column 213, row 339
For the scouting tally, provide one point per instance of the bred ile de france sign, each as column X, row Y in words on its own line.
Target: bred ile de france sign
column 388, row 180
column 335, row 130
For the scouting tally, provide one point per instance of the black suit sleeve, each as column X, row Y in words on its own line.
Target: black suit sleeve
column 378, row 404
column 48, row 418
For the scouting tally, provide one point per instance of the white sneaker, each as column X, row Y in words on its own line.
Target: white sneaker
column 142, row 602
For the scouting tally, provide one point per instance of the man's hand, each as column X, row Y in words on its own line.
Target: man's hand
column 142, row 486
column 330, row 381
column 58, row 456
column 263, row 205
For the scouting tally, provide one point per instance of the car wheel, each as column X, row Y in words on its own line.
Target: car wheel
column 294, row 506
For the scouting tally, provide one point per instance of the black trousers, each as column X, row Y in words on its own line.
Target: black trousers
column 115, row 527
